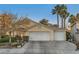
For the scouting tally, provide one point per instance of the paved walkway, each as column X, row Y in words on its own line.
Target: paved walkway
column 33, row 47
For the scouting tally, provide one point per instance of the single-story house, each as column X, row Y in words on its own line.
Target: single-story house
column 39, row 32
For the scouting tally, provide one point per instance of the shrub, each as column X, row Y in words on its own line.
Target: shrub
column 26, row 38
column 4, row 36
column 5, row 39
column 13, row 39
column 68, row 36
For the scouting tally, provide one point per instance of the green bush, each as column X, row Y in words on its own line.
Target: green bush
column 5, row 39
column 4, row 36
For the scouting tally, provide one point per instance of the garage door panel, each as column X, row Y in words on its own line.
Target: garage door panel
column 39, row 36
column 59, row 36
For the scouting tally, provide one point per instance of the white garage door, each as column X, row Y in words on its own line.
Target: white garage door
column 39, row 36
column 60, row 36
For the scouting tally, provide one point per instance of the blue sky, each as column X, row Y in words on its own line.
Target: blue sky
column 36, row 11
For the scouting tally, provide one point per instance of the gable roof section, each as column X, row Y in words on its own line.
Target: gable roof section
column 41, row 25
column 38, row 27
column 53, row 28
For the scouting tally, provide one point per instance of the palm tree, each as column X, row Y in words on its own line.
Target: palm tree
column 65, row 17
column 56, row 11
column 61, row 10
column 63, row 14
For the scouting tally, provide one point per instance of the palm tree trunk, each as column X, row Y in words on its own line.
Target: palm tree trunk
column 58, row 20
column 62, row 23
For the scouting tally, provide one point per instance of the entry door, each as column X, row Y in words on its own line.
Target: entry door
column 39, row 36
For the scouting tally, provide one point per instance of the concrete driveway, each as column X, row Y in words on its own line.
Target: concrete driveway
column 42, row 47
column 54, row 47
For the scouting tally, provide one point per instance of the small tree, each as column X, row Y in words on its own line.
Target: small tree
column 44, row 21
column 7, row 24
